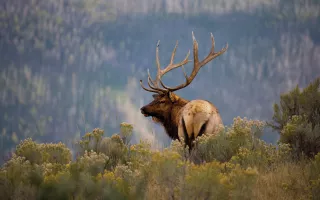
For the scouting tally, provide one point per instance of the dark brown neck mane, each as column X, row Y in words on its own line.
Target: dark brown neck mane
column 171, row 121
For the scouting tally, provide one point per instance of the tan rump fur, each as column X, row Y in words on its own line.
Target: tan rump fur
column 195, row 114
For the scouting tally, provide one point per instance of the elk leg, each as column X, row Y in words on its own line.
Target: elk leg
column 200, row 121
column 203, row 128
column 185, row 134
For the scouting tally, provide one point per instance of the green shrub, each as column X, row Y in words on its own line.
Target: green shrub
column 30, row 151
column 55, row 153
column 43, row 153
column 224, row 145
column 20, row 179
column 205, row 181
column 297, row 119
column 303, row 138
column 92, row 162
column 90, row 141
column 115, row 149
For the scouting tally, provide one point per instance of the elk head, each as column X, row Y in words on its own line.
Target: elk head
column 166, row 106
column 160, row 106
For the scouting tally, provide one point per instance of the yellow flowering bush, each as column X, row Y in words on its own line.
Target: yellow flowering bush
column 55, row 153
column 90, row 141
column 93, row 162
column 262, row 156
column 139, row 155
column 164, row 174
column 205, row 181
column 29, row 150
column 241, row 182
column 225, row 144
column 126, row 132
column 53, row 168
column 43, row 153
column 115, row 149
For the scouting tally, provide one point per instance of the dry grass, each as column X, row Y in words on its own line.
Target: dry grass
column 287, row 181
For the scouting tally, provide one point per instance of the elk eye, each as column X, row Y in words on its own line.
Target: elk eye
column 162, row 101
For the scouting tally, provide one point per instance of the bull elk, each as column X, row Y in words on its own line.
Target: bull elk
column 182, row 118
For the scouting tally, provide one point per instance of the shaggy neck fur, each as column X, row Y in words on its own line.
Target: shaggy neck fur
column 171, row 121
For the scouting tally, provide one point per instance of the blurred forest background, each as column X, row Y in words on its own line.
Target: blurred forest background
column 68, row 66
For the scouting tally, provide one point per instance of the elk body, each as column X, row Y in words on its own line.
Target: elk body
column 182, row 118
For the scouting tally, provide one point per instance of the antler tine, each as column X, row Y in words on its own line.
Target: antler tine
column 172, row 66
column 152, row 86
column 197, row 64
column 147, row 89
column 149, row 78
column 195, row 50
column 158, row 65
column 170, row 89
column 160, row 72
column 154, row 83
column 212, row 55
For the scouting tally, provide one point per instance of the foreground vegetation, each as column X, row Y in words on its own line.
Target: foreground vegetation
column 234, row 164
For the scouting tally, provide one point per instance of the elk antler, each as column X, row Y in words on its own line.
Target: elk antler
column 197, row 65
column 154, row 84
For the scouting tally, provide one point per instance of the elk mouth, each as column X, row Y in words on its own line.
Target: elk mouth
column 155, row 119
column 144, row 113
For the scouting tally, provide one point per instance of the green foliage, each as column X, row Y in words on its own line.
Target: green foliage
column 107, row 168
column 126, row 132
column 305, row 103
column 91, row 141
column 92, row 162
column 43, row 153
column 243, row 133
column 113, row 147
column 29, row 150
column 297, row 118
column 55, row 153
column 303, row 138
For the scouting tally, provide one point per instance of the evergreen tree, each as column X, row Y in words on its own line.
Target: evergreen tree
column 297, row 118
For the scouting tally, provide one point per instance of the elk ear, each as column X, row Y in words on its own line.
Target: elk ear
column 173, row 97
column 155, row 96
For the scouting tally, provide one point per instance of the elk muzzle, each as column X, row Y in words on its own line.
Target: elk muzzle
column 144, row 111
